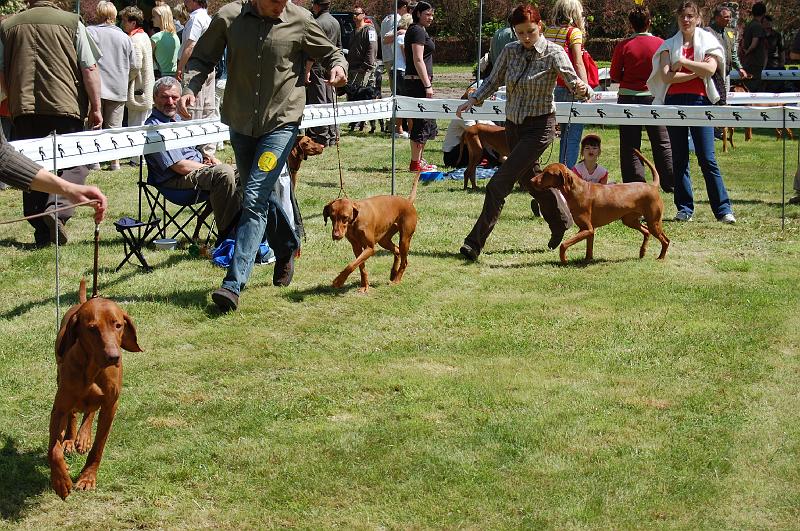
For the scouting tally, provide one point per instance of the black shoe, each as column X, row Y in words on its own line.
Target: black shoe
column 284, row 271
column 55, row 224
column 795, row 200
column 555, row 239
column 535, row 208
column 718, row 133
column 225, row 299
column 468, row 252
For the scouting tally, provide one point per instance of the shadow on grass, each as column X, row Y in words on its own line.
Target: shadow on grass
column 183, row 299
column 300, row 295
column 29, row 246
column 23, row 479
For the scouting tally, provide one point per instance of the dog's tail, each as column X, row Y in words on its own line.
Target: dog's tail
column 414, row 187
column 82, row 291
column 656, row 178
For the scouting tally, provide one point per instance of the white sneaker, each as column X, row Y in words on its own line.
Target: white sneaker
column 728, row 218
column 683, row 216
column 403, row 135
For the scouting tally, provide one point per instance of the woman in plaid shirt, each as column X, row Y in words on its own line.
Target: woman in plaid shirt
column 528, row 68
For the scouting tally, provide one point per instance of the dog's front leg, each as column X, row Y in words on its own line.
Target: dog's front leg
column 338, row 282
column 88, row 478
column 580, row 236
column 59, row 473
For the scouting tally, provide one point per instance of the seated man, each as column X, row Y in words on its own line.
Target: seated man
column 186, row 168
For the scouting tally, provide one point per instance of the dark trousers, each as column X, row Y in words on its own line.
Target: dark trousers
column 318, row 92
column 527, row 142
column 630, row 137
column 37, row 126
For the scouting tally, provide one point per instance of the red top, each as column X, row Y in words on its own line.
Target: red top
column 4, row 111
column 695, row 86
column 632, row 62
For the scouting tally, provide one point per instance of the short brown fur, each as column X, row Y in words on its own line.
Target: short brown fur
column 594, row 205
column 372, row 221
column 89, row 359
column 476, row 138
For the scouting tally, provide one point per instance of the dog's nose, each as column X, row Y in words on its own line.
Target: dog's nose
column 113, row 358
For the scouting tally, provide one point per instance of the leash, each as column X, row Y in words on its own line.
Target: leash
column 96, row 258
column 342, row 193
column 49, row 212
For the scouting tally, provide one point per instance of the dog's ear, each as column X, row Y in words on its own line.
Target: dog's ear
column 129, row 341
column 355, row 214
column 566, row 178
column 67, row 336
column 327, row 212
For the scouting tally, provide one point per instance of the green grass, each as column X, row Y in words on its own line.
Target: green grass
column 510, row 393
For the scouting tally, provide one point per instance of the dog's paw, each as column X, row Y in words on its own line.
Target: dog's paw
column 62, row 484
column 87, row 481
column 83, row 442
column 363, row 290
column 68, row 446
column 338, row 282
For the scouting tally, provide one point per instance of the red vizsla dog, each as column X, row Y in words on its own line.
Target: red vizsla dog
column 303, row 148
column 374, row 220
column 594, row 205
column 476, row 138
column 89, row 358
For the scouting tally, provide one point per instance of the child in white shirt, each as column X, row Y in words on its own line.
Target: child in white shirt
column 588, row 169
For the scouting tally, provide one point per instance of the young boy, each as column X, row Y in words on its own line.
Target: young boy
column 588, row 169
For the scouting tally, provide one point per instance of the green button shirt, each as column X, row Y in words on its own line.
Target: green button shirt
column 265, row 88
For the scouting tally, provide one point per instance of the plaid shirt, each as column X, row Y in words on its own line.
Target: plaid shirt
column 529, row 77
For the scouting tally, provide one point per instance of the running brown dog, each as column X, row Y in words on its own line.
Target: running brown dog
column 89, row 360
column 371, row 221
column 478, row 137
column 594, row 205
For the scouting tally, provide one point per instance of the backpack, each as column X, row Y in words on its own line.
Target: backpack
column 592, row 74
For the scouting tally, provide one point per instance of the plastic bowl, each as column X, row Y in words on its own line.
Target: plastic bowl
column 165, row 244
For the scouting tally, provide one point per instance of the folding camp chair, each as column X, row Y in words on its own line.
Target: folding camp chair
column 177, row 208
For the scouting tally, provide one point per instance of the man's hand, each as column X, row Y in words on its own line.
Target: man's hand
column 185, row 101
column 581, row 89
column 467, row 105
column 95, row 118
column 337, row 77
column 211, row 160
column 79, row 193
column 743, row 73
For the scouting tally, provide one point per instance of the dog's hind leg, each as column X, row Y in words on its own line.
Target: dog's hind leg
column 84, row 439
column 405, row 245
column 657, row 230
column 632, row 221
column 387, row 243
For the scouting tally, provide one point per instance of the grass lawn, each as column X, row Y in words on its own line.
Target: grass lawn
column 510, row 393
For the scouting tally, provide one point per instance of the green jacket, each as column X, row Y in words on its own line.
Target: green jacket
column 41, row 62
column 727, row 37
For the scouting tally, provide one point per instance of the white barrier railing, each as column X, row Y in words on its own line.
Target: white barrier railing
column 100, row 146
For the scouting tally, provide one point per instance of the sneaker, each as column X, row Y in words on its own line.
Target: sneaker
column 55, row 224
column 682, row 216
column 284, row 271
column 225, row 299
column 468, row 252
column 425, row 163
column 114, row 166
column 419, row 166
column 93, row 167
column 404, row 135
column 267, row 258
column 727, row 218
column 795, row 200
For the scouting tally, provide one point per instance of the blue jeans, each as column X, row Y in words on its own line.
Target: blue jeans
column 264, row 156
column 703, row 138
column 570, row 145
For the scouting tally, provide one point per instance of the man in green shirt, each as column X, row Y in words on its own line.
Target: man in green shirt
column 267, row 41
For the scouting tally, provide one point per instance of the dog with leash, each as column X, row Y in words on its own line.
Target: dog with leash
column 89, row 349
column 594, row 205
column 372, row 221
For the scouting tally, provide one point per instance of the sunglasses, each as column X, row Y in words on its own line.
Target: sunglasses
column 358, row 14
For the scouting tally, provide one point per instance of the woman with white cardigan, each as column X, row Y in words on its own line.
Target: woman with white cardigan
column 682, row 75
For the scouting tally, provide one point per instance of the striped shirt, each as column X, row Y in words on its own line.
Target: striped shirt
column 529, row 77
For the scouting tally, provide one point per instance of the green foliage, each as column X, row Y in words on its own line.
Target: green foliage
column 510, row 393
column 9, row 7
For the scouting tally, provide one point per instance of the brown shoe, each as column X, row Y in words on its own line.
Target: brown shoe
column 225, row 299
column 54, row 224
column 284, row 271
